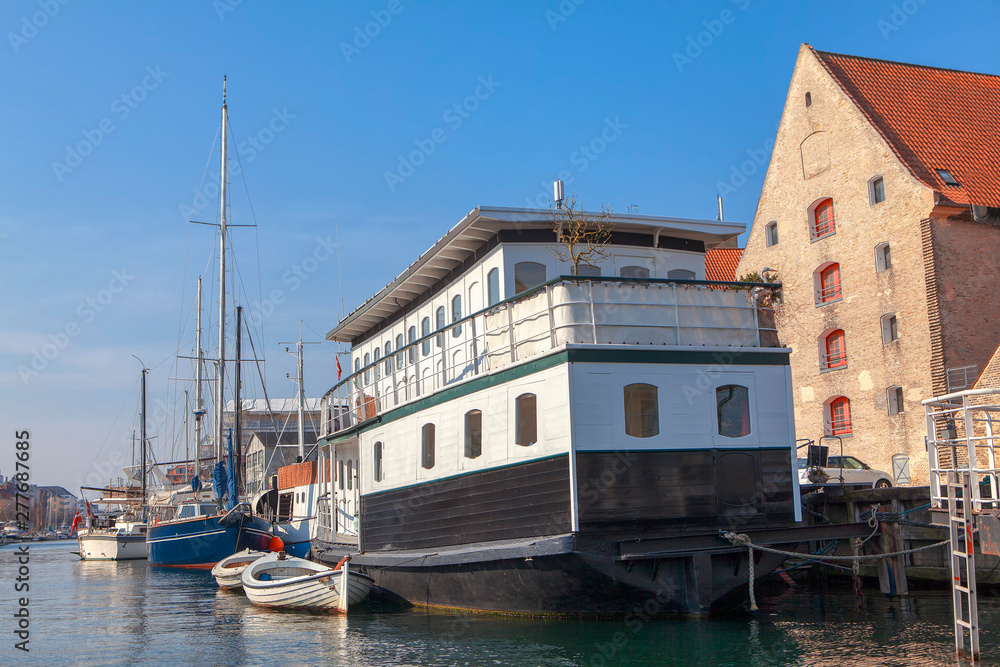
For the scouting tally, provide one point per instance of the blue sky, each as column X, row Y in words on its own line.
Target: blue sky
column 390, row 119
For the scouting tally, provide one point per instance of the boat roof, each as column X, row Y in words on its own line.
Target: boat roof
column 482, row 224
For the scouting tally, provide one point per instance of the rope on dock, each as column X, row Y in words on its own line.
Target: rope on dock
column 742, row 539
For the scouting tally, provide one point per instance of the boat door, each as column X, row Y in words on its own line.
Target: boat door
column 348, row 495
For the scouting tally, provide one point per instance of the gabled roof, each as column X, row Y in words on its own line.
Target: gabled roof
column 482, row 224
column 721, row 263
column 932, row 119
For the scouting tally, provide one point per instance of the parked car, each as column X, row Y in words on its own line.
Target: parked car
column 856, row 472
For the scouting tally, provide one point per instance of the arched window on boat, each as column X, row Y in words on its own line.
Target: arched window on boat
column 493, row 287
column 400, row 358
column 378, row 367
column 439, row 325
column 357, row 364
column 456, row 315
column 427, row 446
column 642, row 417
column 588, row 270
column 368, row 371
column 528, row 275
column 377, row 462
column 411, row 351
column 681, row 274
column 425, row 330
column 640, row 272
column 340, row 474
column 733, row 405
column 525, row 420
column 350, row 474
column 388, row 359
column 473, row 434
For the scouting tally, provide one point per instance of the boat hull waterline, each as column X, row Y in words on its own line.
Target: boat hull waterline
column 111, row 546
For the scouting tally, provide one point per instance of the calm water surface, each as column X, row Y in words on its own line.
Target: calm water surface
column 94, row 613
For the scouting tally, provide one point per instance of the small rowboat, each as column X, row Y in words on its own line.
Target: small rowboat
column 279, row 580
column 228, row 570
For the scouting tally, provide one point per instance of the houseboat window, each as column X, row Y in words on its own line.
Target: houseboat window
column 733, row 403
column 680, row 274
column 399, row 352
column 439, row 324
column 357, row 365
column 456, row 315
column 473, row 434
column 388, row 359
column 771, row 233
column 411, row 352
column 378, row 366
column 427, row 446
column 340, row 474
column 883, row 261
column 642, row 418
column 368, row 371
column 640, row 272
column 493, row 286
column 350, row 475
column 528, row 275
column 526, row 420
column 377, row 462
column 588, row 270
column 425, row 330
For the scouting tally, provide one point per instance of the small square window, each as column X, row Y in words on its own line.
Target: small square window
column 894, row 398
column 947, row 177
column 890, row 331
column 771, row 233
column 883, row 260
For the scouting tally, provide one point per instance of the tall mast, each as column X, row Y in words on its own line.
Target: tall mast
column 238, row 422
column 220, row 405
column 142, row 439
column 302, row 399
column 199, row 411
column 187, row 432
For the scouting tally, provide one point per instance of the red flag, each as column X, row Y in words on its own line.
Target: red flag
column 338, row 369
column 76, row 522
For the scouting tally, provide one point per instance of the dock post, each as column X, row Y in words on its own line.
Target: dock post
column 345, row 586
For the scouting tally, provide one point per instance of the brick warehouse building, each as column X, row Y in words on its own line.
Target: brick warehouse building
column 880, row 214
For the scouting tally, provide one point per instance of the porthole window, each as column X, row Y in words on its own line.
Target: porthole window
column 642, row 417
column 733, row 407
column 528, row 275
column 493, row 287
column 377, row 462
column 427, row 446
column 525, row 420
column 473, row 434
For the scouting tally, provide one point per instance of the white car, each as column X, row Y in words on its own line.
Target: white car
column 855, row 471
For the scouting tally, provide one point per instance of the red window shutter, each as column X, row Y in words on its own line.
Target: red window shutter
column 836, row 350
column 823, row 219
column 830, row 283
column 840, row 417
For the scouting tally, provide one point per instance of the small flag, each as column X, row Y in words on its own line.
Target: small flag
column 339, row 371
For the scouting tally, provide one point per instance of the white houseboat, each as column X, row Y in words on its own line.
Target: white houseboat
column 517, row 439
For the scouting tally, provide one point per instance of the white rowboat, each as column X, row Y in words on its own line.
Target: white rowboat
column 228, row 570
column 279, row 580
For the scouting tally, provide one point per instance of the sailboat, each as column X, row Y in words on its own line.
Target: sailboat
column 118, row 536
column 199, row 533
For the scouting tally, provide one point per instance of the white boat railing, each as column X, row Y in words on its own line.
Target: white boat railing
column 963, row 433
column 579, row 310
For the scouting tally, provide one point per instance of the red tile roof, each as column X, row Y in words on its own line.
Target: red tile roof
column 932, row 118
column 721, row 263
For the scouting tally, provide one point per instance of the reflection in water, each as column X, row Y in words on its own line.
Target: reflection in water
column 99, row 613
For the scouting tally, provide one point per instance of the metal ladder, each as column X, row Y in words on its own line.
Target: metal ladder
column 963, row 562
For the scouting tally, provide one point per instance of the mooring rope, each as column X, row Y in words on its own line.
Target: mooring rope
column 742, row 539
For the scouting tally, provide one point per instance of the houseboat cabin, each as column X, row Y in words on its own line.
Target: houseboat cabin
column 518, row 437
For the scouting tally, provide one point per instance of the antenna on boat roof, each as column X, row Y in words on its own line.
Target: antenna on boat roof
column 718, row 197
column 223, row 90
column 558, row 195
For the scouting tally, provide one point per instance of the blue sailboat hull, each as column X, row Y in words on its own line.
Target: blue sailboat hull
column 204, row 541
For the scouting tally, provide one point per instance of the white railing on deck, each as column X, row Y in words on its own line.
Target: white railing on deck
column 963, row 433
column 565, row 310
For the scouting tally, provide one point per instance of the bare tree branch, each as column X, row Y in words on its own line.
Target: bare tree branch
column 583, row 236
